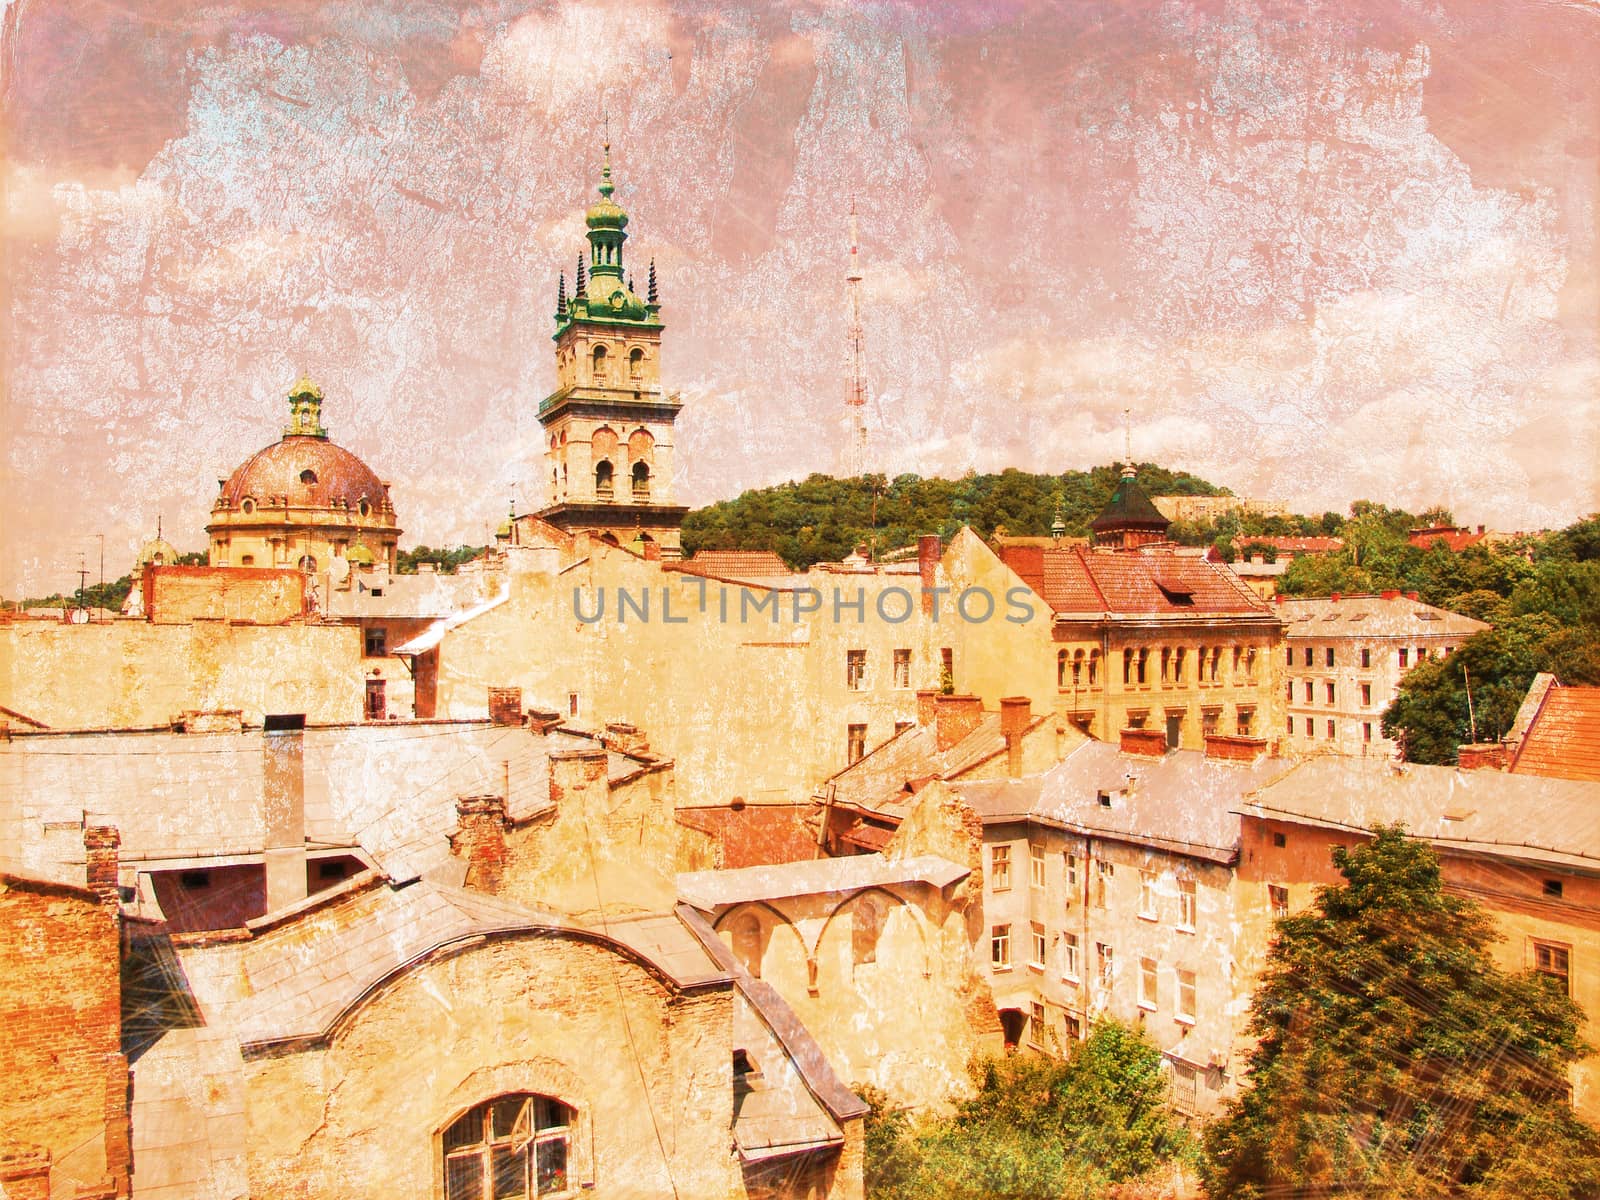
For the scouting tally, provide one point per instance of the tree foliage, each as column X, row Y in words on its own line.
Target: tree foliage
column 822, row 519
column 446, row 561
column 1035, row 1127
column 1395, row 1059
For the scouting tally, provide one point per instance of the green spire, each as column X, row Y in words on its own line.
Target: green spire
column 604, row 293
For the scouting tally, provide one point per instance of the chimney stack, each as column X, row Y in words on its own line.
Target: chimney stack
column 954, row 718
column 505, row 705
column 481, row 839
column 927, row 707
column 100, row 845
column 1479, row 756
column 283, row 794
column 1015, row 713
column 928, row 567
column 1147, row 743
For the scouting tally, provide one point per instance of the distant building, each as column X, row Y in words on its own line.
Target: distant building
column 1451, row 537
column 1344, row 658
column 1209, row 508
column 303, row 502
column 1562, row 735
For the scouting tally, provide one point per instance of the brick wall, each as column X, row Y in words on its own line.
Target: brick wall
column 66, row 1080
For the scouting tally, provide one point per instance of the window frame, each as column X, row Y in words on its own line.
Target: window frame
column 1071, row 960
column 1188, row 904
column 1000, row 947
column 1147, row 895
column 1149, row 985
column 1038, row 946
column 1186, row 990
column 1548, row 951
column 1036, row 869
column 855, row 670
column 900, row 664
column 1000, row 867
column 490, row 1144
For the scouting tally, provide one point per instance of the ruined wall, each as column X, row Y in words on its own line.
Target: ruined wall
column 649, row 1073
column 66, row 1080
column 173, row 595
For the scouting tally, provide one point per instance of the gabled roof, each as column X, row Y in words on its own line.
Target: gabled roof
column 1082, row 582
column 1563, row 740
column 736, row 564
column 1366, row 615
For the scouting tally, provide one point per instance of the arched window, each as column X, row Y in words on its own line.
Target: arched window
column 636, row 363
column 510, row 1148
column 1061, row 668
column 641, row 481
column 603, row 472
column 364, row 507
column 1094, row 667
column 308, row 564
column 600, row 364
column 866, row 927
column 1127, row 667
column 1077, row 668
column 308, row 477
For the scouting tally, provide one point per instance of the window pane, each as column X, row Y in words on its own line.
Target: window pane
column 510, row 1173
column 468, row 1131
column 551, row 1165
column 506, row 1113
column 463, row 1178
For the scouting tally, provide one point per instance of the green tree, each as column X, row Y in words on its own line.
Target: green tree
column 1395, row 1059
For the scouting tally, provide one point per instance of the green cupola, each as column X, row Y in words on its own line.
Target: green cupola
column 603, row 292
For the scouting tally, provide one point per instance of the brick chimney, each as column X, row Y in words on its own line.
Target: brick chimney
column 1234, row 748
column 1389, row 594
column 283, row 795
column 481, row 839
column 928, row 567
column 927, row 706
column 1411, row 596
column 954, row 718
column 1278, row 599
column 1015, row 713
column 542, row 720
column 100, row 844
column 652, row 551
column 579, row 777
column 1481, row 756
column 1335, row 597
column 505, row 705
column 1147, row 743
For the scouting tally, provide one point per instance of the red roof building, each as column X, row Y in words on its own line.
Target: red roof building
column 1563, row 739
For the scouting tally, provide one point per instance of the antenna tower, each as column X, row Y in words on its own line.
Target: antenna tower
column 855, row 401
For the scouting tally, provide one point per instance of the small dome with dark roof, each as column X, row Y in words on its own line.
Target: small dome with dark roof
column 1129, row 512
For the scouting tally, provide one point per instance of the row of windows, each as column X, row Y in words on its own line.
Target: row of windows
column 1403, row 656
column 1210, row 721
column 1142, row 665
column 855, row 669
column 1329, row 692
column 1104, row 872
column 1330, row 729
column 1105, row 967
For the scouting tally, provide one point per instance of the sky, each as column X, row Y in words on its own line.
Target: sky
column 1317, row 252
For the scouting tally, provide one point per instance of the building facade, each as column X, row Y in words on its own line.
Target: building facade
column 1344, row 658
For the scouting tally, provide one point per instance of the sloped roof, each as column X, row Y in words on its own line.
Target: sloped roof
column 1079, row 581
column 736, row 564
column 1367, row 615
column 1563, row 740
column 1520, row 817
column 1129, row 508
column 711, row 890
column 1182, row 801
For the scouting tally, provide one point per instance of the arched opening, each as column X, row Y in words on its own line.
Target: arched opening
column 866, row 927
column 308, row 564
column 308, row 477
column 247, row 505
column 636, row 364
column 641, row 481
column 599, row 368
column 364, row 507
column 514, row 1146
column 747, row 942
column 603, row 473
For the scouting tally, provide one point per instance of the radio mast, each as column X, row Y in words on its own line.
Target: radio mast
column 855, row 401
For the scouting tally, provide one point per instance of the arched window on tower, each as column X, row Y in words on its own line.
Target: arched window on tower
column 636, row 364
column 603, row 472
column 600, row 364
column 308, row 564
column 641, row 481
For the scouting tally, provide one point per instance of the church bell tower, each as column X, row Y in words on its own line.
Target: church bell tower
column 608, row 427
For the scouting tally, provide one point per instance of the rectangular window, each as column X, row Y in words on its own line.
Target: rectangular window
column 1552, row 887
column 377, row 708
column 1554, row 962
column 1187, row 903
column 855, row 742
column 1328, row 692
column 1366, row 695
column 1071, row 861
column 1069, row 957
column 1000, row 947
column 947, row 666
column 1330, row 656
column 572, row 704
column 377, row 641
column 1308, row 656
column 1036, row 1025
column 1366, row 731
column 1074, row 1028
column 1036, row 947
column 1147, row 983
column 1035, row 866
column 1311, row 727
column 902, row 668
column 1366, row 659
column 1209, row 718
column 1308, row 686
column 1405, row 658
column 1245, row 721
column 1291, row 656
column 1330, row 731
column 1147, row 894
column 999, row 868
column 1102, row 876
column 855, row 669
column 1186, row 1005
column 1278, row 899
column 1105, row 963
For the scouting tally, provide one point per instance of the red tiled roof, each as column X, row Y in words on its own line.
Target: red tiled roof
column 1563, row 742
column 1295, row 545
column 736, row 563
column 1453, row 538
column 1083, row 581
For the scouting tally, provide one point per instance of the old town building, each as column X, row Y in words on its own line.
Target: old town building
column 303, row 502
column 1344, row 657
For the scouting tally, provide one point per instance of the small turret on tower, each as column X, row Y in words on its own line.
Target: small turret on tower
column 305, row 410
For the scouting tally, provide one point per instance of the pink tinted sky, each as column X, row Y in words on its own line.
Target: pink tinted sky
column 1321, row 251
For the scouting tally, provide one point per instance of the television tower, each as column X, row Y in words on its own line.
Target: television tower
column 855, row 401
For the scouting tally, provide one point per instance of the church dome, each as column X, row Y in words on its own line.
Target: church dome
column 311, row 472
column 157, row 552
